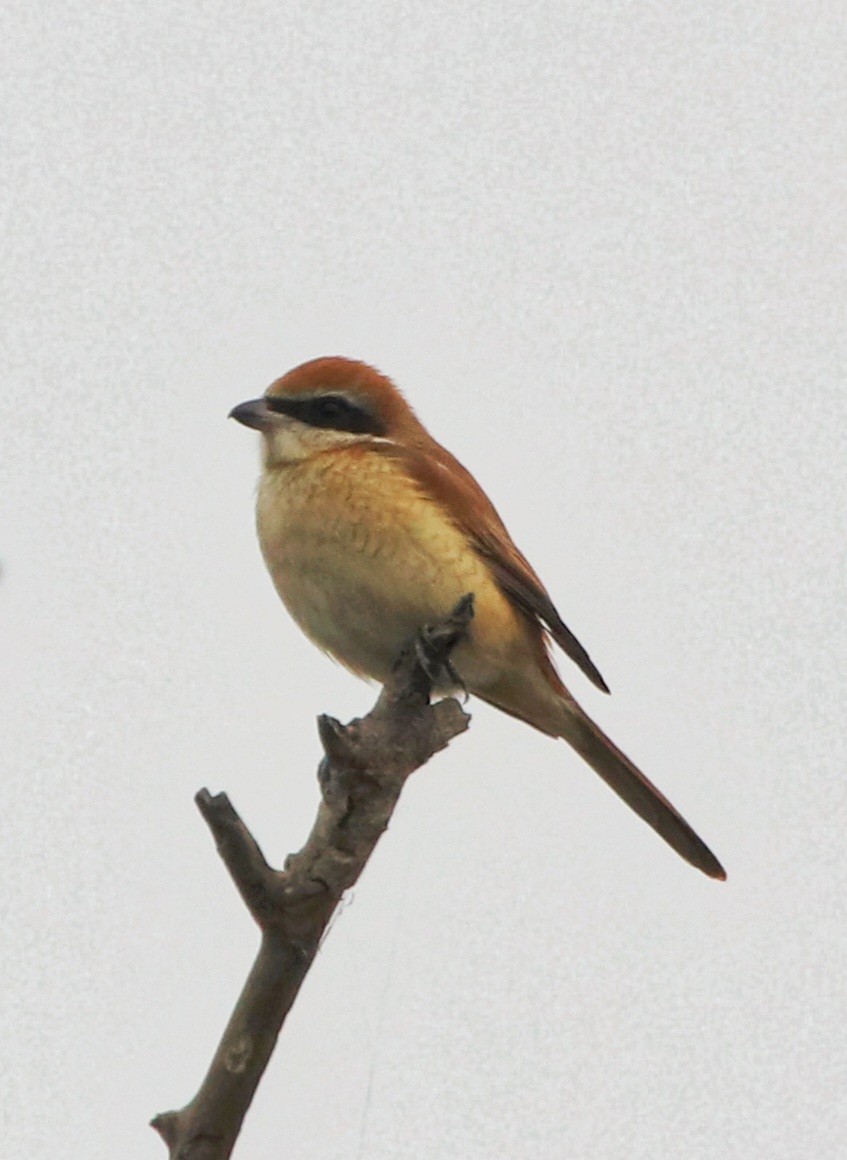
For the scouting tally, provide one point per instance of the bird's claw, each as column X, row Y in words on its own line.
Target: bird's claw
column 434, row 642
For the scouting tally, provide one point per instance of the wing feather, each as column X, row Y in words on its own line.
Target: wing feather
column 441, row 476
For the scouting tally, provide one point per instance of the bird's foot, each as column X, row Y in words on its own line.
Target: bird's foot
column 434, row 642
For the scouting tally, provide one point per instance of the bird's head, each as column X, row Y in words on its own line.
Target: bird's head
column 325, row 404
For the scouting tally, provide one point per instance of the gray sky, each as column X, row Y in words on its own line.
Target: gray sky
column 602, row 249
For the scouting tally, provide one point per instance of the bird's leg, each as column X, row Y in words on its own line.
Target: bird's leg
column 434, row 664
column 434, row 643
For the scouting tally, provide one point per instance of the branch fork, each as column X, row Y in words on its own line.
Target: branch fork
column 365, row 766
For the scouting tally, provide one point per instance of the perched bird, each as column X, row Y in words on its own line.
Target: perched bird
column 371, row 530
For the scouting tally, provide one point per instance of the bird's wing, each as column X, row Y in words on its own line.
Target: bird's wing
column 442, row 477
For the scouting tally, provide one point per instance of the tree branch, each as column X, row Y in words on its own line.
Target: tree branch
column 361, row 777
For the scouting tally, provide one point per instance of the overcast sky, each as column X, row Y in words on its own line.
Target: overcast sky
column 602, row 249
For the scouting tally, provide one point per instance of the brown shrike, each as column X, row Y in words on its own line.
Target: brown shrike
column 371, row 530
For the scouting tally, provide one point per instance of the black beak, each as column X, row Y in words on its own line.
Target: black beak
column 255, row 414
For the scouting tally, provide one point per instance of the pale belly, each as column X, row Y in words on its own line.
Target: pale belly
column 362, row 562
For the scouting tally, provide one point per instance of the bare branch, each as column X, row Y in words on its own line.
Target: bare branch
column 361, row 777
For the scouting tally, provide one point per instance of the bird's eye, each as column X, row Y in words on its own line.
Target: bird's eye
column 330, row 408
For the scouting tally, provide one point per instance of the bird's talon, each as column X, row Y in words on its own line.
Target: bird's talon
column 427, row 653
column 456, row 680
column 430, row 645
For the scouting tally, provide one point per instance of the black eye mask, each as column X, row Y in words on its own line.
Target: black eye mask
column 333, row 412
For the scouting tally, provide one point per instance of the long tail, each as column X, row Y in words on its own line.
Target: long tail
column 629, row 783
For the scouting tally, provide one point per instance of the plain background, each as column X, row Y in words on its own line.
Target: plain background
column 602, row 249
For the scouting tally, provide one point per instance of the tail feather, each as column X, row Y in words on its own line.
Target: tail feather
column 630, row 784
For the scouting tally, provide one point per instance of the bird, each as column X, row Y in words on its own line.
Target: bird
column 371, row 530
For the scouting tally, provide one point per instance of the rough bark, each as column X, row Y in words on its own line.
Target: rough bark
column 365, row 767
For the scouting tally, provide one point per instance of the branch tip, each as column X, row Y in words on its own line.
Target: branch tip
column 214, row 806
column 334, row 738
column 167, row 1125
